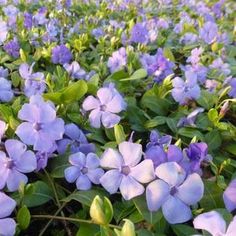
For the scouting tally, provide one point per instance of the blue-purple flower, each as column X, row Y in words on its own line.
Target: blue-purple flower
column 75, row 139
column 61, row 55
column 41, row 127
column 34, row 82
column 18, row 161
column 190, row 119
column 6, row 93
column 7, row 225
column 209, row 32
column 184, row 91
column 229, row 196
column 125, row 171
column 74, row 70
column 118, row 60
column 174, row 192
column 213, row 223
column 104, row 107
column 12, row 48
column 139, row 33
column 232, row 83
column 84, row 170
column 219, row 65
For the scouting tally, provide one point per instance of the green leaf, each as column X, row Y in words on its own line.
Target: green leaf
column 231, row 148
column 121, row 74
column 212, row 197
column 138, row 74
column 213, row 116
column 39, row 195
column 172, row 124
column 87, row 229
column 23, row 217
column 213, row 139
column 119, row 134
column 207, row 99
column 85, row 197
column 58, row 166
column 183, row 230
column 156, row 121
column 190, row 133
column 168, row 53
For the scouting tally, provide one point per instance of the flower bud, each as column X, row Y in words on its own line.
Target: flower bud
column 128, row 228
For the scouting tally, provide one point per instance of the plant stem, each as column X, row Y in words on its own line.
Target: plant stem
column 72, row 219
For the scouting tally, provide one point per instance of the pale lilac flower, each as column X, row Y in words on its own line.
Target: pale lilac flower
column 19, row 161
column 74, row 70
column 3, row 127
column 75, row 140
column 219, row 65
column 40, row 17
column 195, row 56
column 7, row 225
column 190, row 119
column 104, row 107
column 3, row 31
column 98, row 33
column 41, row 127
column 211, row 85
column 84, row 170
column 6, row 93
column 229, row 196
column 12, row 48
column 139, row 33
column 232, row 83
column 183, row 91
column 209, row 32
column 61, row 55
column 126, row 172
column 34, row 82
column 174, row 192
column 214, row 224
column 188, row 38
column 3, row 72
column 117, row 60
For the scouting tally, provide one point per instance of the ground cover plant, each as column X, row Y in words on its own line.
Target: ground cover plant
column 117, row 118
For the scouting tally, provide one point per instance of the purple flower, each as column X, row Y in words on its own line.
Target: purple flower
column 7, row 225
column 195, row 56
column 3, row 72
column 17, row 162
column 40, row 17
column 84, row 170
column 197, row 153
column 157, row 140
column 61, row 55
column 74, row 70
column 76, row 140
column 174, row 192
column 229, row 196
column 3, row 128
column 209, row 32
column 126, row 173
column 214, row 224
column 184, row 91
column 12, row 48
column 98, row 33
column 139, row 33
column 3, row 31
column 232, row 83
column 189, row 38
column 117, row 60
column 211, row 85
column 28, row 20
column 157, row 65
column 219, row 65
column 6, row 93
column 34, row 82
column 42, row 128
column 104, row 108
column 190, row 119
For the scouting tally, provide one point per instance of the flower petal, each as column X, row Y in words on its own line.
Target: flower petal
column 142, row 176
column 92, row 161
column 14, row 180
column 174, row 153
column 229, row 196
column 95, row 175
column 27, row 162
column 26, row 133
column 111, row 159
column 95, row 118
column 72, row 173
column 90, row 103
column 131, row 152
column 130, row 188
column 191, row 191
column 111, row 181
column 7, row 205
column 116, row 105
column 109, row 120
column 175, row 211
column 104, row 95
column 15, row 148
column 231, row 228
column 83, row 183
column 7, row 227
column 78, row 159
column 212, row 222
column 156, row 194
column 29, row 112
column 171, row 173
